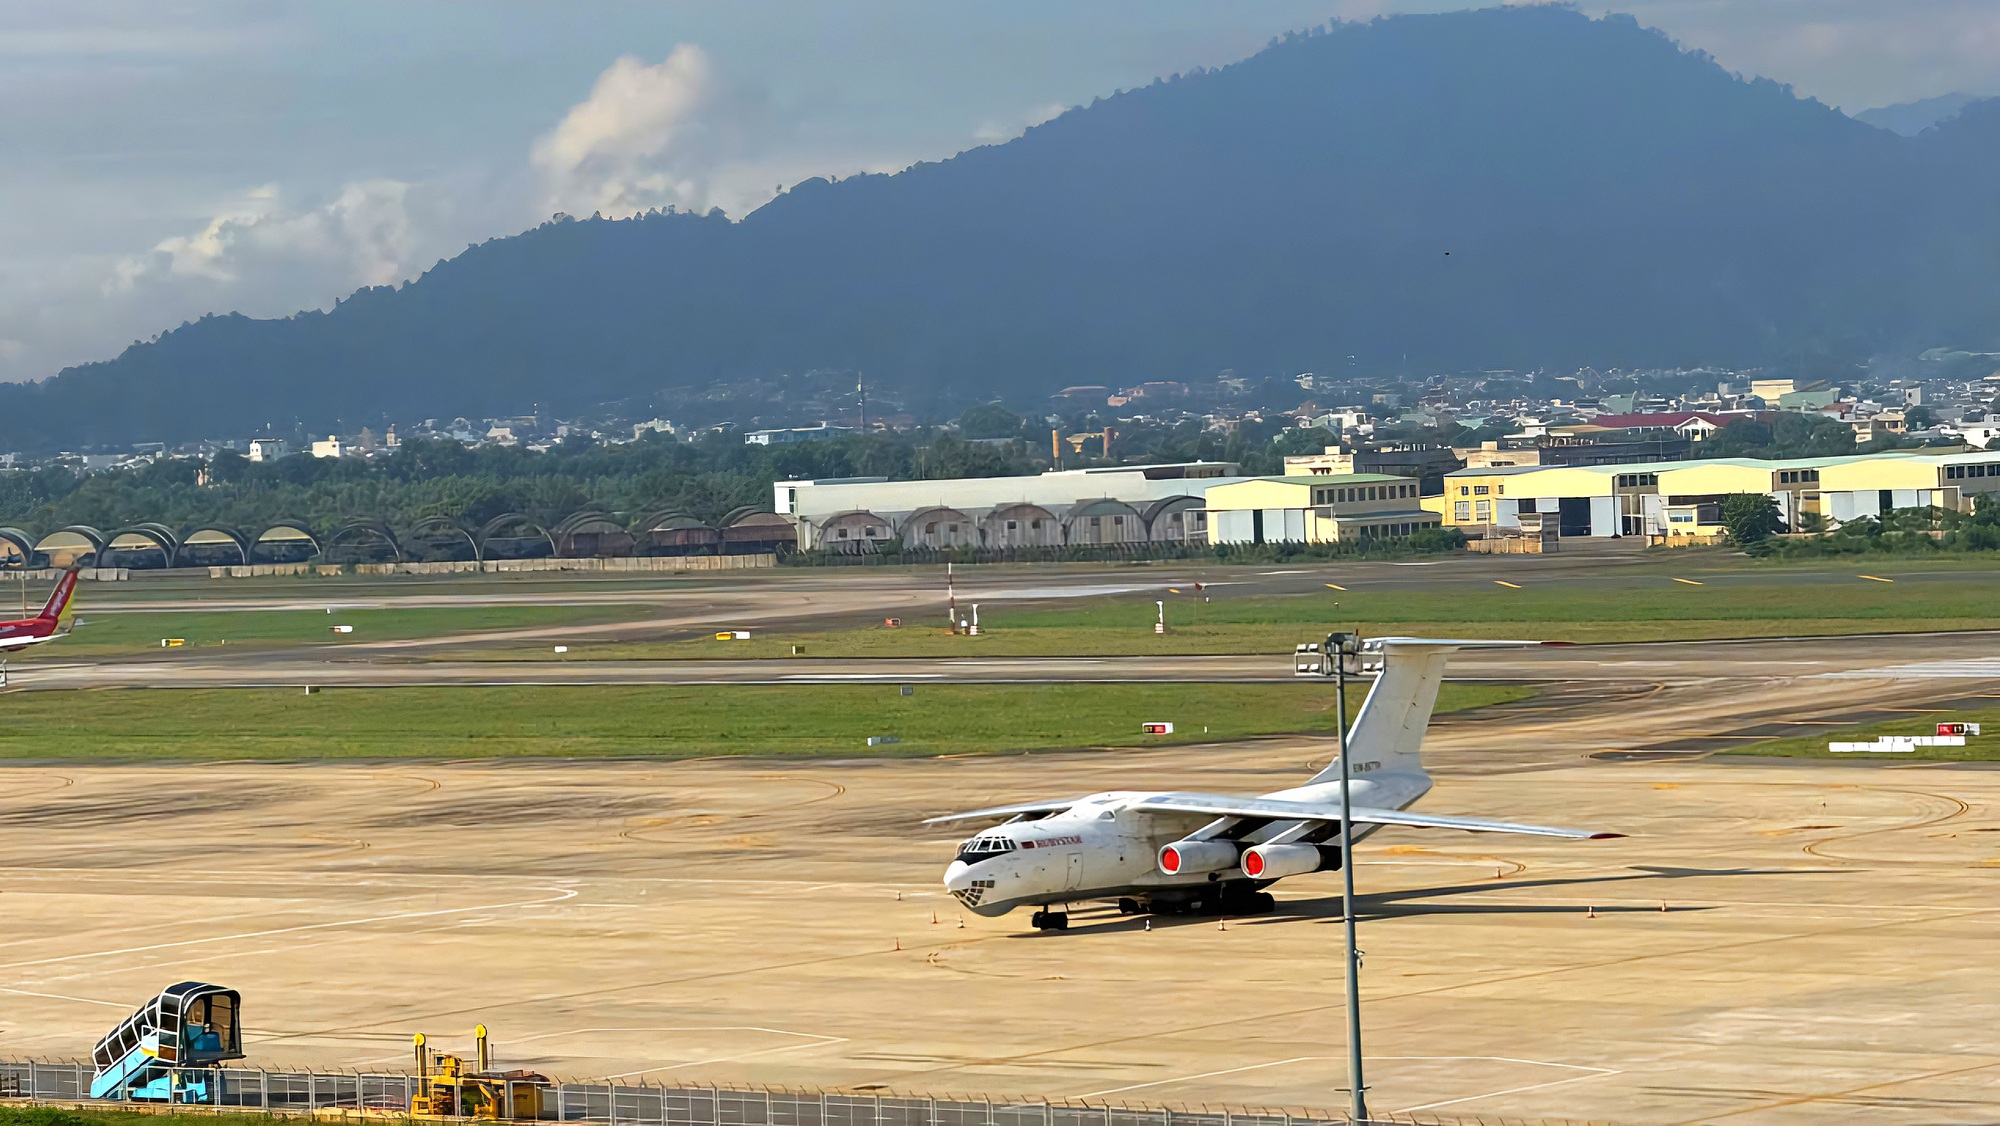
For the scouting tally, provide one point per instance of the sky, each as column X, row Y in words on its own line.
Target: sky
column 163, row 159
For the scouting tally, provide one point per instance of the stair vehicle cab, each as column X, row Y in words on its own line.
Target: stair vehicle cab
column 167, row 1051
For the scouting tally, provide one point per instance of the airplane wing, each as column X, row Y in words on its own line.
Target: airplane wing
column 1222, row 805
column 995, row 811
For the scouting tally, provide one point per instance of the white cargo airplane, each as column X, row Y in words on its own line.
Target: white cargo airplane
column 1182, row 853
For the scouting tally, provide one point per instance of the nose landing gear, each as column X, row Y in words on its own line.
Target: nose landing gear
column 1046, row 920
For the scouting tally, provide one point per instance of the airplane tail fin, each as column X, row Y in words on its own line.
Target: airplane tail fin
column 1389, row 730
column 62, row 607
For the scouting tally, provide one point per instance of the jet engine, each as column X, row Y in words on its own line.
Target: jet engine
column 1276, row 861
column 1198, row 856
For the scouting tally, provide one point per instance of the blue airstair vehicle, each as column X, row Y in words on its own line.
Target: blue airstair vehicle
column 168, row 1050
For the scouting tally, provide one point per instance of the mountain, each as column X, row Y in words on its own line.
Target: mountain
column 1912, row 118
column 1500, row 188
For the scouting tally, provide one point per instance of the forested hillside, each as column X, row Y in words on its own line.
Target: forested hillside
column 1501, row 188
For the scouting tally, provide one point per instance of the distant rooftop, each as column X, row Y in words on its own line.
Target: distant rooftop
column 1161, row 471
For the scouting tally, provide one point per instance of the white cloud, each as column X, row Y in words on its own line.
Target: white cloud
column 365, row 235
column 648, row 136
column 262, row 253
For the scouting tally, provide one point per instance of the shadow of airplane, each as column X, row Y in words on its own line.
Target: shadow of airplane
column 1383, row 905
column 1096, row 919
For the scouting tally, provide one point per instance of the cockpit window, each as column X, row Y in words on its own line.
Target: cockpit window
column 984, row 848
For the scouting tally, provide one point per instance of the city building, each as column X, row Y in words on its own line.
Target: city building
column 1501, row 454
column 269, row 449
column 795, row 434
column 1882, row 424
column 1108, row 505
column 332, row 447
column 1427, row 464
column 1771, row 390
column 1610, row 447
column 1692, row 425
column 1980, row 434
column 1325, row 508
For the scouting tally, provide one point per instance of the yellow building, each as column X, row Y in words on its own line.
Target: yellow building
column 1315, row 509
column 1584, row 500
column 1692, row 491
column 1685, row 497
column 1871, row 485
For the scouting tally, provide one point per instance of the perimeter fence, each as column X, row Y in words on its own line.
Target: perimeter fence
column 644, row 1104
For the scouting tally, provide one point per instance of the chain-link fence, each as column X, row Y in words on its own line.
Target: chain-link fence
column 642, row 1104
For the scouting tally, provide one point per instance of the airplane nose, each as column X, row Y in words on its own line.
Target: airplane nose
column 955, row 877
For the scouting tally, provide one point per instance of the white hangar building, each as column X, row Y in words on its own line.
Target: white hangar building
column 1115, row 504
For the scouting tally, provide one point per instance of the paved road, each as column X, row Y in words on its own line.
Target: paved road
column 1846, row 665
column 856, row 589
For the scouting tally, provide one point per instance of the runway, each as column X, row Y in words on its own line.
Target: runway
column 1874, row 658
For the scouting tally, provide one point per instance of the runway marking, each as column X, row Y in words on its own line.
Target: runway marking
column 64, row 997
column 1849, row 1093
column 1690, row 582
column 1592, row 1073
column 567, row 893
column 1971, row 668
column 1505, row 583
column 226, row 875
column 816, row 1039
column 1201, row 1075
column 624, row 987
column 864, row 676
column 1336, row 586
column 1877, row 579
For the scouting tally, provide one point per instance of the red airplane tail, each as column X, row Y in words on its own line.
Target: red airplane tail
column 58, row 609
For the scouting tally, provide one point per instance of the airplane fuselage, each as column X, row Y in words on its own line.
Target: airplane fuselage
column 1100, row 849
column 18, row 635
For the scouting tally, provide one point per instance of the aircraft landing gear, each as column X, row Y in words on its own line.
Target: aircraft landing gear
column 1130, row 907
column 1049, row 920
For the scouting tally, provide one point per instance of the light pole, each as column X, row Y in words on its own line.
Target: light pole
column 1339, row 646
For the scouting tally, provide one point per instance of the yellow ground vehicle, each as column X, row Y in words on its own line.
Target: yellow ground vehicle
column 448, row 1090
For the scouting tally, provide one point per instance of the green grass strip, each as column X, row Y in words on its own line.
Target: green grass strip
column 1978, row 748
column 652, row 721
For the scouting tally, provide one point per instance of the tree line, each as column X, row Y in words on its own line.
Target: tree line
column 706, row 478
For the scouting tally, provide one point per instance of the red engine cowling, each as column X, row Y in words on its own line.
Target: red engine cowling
column 1182, row 857
column 1276, row 861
